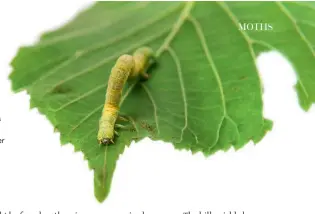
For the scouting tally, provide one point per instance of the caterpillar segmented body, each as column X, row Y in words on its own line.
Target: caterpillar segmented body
column 127, row 67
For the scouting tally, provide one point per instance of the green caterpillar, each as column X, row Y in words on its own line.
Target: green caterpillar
column 127, row 67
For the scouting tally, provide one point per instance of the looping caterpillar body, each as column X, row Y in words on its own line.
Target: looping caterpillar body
column 127, row 67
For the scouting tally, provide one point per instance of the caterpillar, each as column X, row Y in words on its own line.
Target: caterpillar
column 127, row 67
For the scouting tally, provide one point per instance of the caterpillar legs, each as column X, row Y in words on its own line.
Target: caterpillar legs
column 120, row 126
column 131, row 127
column 123, row 118
column 144, row 75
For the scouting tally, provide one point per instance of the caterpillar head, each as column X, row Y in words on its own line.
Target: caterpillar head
column 106, row 141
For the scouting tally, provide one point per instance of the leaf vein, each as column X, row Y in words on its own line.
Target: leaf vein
column 249, row 41
column 285, row 10
column 176, row 27
column 206, row 50
column 146, row 89
column 85, row 95
column 85, row 31
column 182, row 87
column 86, row 118
column 302, row 5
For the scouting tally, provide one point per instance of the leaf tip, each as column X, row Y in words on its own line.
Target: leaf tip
column 101, row 190
column 303, row 97
column 266, row 127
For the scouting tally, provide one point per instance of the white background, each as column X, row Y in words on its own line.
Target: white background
column 37, row 174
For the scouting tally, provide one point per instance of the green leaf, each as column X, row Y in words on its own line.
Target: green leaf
column 204, row 95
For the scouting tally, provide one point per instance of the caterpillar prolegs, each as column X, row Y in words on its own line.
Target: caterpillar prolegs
column 127, row 67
